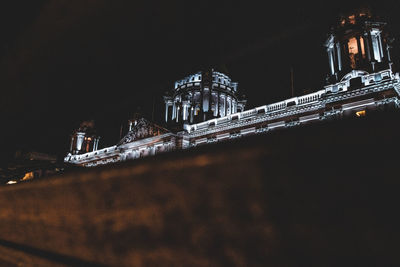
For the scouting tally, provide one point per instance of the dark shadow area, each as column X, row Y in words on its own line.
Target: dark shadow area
column 320, row 195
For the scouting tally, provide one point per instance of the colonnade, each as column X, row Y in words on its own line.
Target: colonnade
column 221, row 104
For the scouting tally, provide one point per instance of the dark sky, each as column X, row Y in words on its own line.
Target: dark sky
column 65, row 61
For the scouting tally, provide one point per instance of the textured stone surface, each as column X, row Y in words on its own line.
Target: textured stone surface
column 321, row 195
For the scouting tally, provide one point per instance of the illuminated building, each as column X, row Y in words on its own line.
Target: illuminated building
column 84, row 139
column 361, row 79
column 202, row 96
column 358, row 42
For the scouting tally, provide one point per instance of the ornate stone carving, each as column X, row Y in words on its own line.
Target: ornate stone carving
column 142, row 129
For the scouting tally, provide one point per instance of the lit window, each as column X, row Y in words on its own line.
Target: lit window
column 362, row 47
column 360, row 113
column 353, row 50
column 352, row 19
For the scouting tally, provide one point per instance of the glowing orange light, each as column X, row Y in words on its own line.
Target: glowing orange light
column 353, row 48
column 352, row 19
column 360, row 113
column 362, row 46
column 28, row 176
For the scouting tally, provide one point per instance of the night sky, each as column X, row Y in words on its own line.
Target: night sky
column 65, row 61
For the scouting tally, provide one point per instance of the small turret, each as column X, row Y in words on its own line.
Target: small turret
column 358, row 42
column 84, row 139
column 133, row 122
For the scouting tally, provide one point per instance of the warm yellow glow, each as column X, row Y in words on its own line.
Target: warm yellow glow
column 360, row 113
column 362, row 46
column 352, row 19
column 28, row 176
column 353, row 48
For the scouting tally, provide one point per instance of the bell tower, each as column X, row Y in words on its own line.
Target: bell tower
column 358, row 41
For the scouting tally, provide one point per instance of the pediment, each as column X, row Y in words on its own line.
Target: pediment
column 141, row 130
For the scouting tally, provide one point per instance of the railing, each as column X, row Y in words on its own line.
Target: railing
column 306, row 100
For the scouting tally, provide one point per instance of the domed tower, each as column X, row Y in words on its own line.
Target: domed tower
column 357, row 42
column 84, row 139
column 202, row 96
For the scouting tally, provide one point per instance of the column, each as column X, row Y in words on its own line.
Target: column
column 380, row 44
column 79, row 140
column 206, row 99
column 96, row 143
column 217, row 105
column 174, row 110
column 72, row 144
column 339, row 56
column 223, row 105
column 389, row 57
column 185, row 106
column 388, row 53
column 332, row 67
column 226, row 105
column 166, row 111
column 177, row 113
column 214, row 98
column 375, row 45
column 229, row 106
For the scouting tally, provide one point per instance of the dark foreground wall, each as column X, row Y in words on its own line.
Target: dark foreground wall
column 321, row 195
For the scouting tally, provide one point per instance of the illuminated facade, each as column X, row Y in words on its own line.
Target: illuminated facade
column 361, row 80
column 202, row 96
column 143, row 139
column 84, row 139
column 358, row 42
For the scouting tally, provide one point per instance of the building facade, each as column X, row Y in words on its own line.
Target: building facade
column 84, row 139
column 207, row 104
column 202, row 96
column 358, row 42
